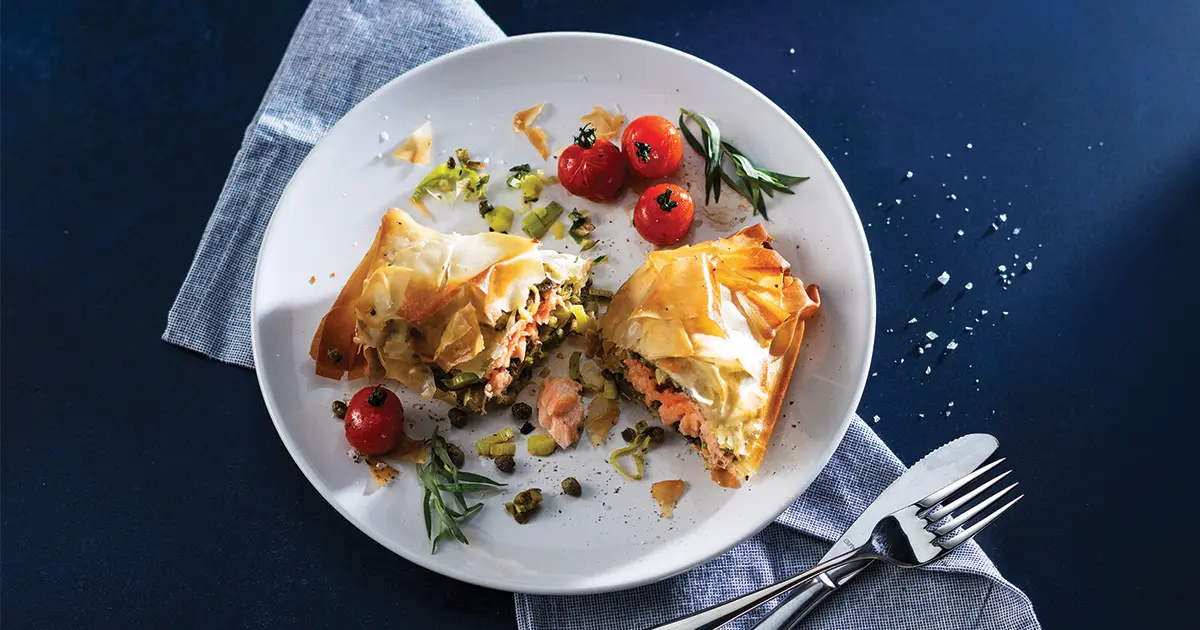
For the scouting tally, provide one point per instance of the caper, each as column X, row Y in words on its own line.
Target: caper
column 523, row 500
column 527, row 428
column 506, row 463
column 458, row 417
column 520, row 517
column 339, row 409
column 657, row 434
column 456, row 455
column 522, row 411
column 570, row 485
column 629, row 435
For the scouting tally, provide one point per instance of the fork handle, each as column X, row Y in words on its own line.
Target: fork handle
column 797, row 604
column 721, row 614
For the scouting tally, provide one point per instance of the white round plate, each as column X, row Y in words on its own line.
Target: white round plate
column 612, row 537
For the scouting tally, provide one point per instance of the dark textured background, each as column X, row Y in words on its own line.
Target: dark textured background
column 144, row 485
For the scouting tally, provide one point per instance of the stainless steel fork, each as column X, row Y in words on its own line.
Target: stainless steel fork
column 912, row 536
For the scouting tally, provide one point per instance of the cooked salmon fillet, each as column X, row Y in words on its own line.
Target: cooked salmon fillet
column 677, row 408
column 560, row 409
column 517, row 342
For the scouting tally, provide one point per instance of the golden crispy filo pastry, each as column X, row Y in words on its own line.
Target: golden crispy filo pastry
column 461, row 318
column 707, row 336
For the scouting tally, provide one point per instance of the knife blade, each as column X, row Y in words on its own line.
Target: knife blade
column 936, row 470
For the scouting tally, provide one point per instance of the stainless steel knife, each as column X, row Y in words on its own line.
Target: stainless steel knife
column 936, row 470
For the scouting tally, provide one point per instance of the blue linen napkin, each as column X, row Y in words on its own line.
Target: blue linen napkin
column 343, row 51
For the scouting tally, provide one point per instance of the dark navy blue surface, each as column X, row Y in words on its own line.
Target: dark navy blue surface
column 145, row 486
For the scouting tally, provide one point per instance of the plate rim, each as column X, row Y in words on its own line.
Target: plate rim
column 423, row 560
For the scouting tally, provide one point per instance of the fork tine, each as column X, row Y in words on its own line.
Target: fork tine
column 940, row 513
column 970, row 532
column 940, row 495
column 957, row 521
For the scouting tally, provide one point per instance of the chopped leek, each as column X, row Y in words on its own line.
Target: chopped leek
column 538, row 221
column 499, row 218
column 541, row 445
column 583, row 321
column 453, row 179
column 461, row 380
column 529, row 182
column 574, row 366
column 636, row 451
column 505, row 448
column 483, row 447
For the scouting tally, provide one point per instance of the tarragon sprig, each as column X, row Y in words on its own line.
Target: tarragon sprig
column 441, row 475
column 753, row 183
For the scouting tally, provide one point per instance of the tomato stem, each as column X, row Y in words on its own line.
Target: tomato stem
column 643, row 151
column 586, row 137
column 665, row 202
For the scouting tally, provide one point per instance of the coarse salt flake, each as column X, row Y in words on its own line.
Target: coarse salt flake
column 931, row 335
column 1003, row 218
column 968, row 286
column 969, row 146
column 913, row 320
column 960, row 232
column 1001, row 268
column 944, row 278
column 876, row 418
column 908, row 175
column 1029, row 266
column 952, row 345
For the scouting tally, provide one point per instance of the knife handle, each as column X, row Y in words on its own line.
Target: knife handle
column 797, row 604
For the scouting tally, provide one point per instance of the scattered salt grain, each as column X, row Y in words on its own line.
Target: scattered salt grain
column 968, row 286
column 968, row 328
column 1016, row 231
column 947, row 155
column 1004, row 313
column 953, row 345
column 921, row 415
column 897, row 202
column 920, row 350
column 1016, row 257
column 876, row 418
column 960, row 233
column 931, row 335
column 913, row 320
column 908, row 175
column 953, row 196
column 944, row 278
column 994, row 227
column 1029, row 266
column 969, row 146
column 951, row 404
column 928, row 370
column 1001, row 268
column 936, row 217
column 983, row 312
column 383, row 136
column 1003, row 218
column 792, row 51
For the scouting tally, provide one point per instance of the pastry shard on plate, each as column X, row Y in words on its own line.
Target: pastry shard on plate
column 707, row 336
column 460, row 318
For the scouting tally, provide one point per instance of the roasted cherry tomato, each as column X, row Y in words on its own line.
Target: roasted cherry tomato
column 664, row 213
column 653, row 146
column 592, row 168
column 374, row 420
